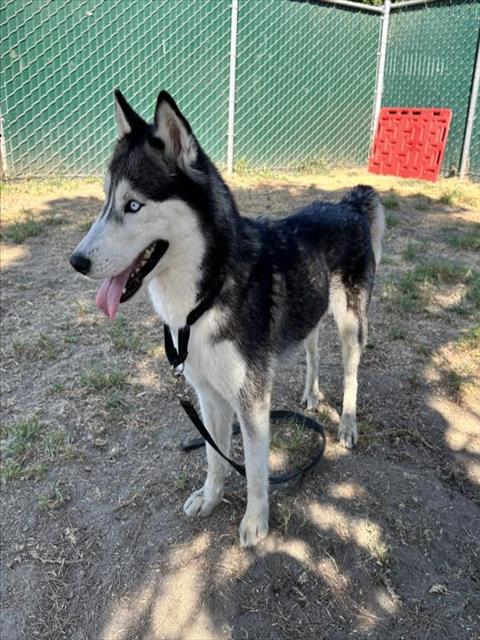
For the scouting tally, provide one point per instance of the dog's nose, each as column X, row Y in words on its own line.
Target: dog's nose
column 80, row 263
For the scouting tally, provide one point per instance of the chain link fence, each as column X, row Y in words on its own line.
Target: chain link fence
column 306, row 74
column 305, row 84
column 62, row 60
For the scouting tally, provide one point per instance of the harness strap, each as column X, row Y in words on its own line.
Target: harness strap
column 177, row 357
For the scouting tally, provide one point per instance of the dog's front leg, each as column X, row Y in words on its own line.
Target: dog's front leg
column 255, row 425
column 217, row 415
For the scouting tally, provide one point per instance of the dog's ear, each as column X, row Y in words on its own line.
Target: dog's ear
column 174, row 131
column 127, row 118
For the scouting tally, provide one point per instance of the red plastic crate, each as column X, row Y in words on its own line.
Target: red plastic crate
column 410, row 142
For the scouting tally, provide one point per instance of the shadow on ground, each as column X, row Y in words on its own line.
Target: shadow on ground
column 379, row 543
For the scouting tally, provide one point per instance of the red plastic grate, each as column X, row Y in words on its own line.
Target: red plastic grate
column 410, row 142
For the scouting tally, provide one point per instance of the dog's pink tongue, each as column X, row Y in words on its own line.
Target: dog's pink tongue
column 109, row 294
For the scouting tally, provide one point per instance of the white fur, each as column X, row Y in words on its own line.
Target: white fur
column 179, row 143
column 122, row 124
column 377, row 231
column 348, row 330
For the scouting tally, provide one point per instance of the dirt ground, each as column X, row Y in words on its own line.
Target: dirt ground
column 381, row 542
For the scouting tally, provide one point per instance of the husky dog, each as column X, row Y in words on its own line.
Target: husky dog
column 170, row 222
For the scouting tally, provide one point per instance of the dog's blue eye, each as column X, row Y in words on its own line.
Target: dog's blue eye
column 133, row 206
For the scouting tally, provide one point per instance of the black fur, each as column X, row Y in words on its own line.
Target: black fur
column 276, row 273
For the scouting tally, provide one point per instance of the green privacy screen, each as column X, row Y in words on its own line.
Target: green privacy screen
column 62, row 59
column 430, row 61
column 305, row 76
column 305, row 83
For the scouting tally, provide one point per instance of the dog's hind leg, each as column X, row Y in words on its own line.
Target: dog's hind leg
column 312, row 396
column 352, row 327
column 217, row 415
column 255, row 425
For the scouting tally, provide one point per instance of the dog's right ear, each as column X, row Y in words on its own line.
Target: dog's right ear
column 127, row 118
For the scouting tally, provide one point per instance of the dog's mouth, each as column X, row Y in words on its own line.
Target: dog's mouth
column 122, row 287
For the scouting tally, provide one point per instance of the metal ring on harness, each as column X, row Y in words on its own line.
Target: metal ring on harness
column 303, row 420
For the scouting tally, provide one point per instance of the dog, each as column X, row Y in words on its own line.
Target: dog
column 170, row 223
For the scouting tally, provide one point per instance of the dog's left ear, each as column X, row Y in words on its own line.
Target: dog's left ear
column 174, row 131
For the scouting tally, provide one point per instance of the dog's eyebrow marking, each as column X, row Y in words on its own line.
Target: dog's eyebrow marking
column 108, row 207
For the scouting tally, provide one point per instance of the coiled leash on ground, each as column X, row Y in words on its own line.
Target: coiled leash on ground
column 177, row 364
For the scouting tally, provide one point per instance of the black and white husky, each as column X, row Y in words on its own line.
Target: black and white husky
column 170, row 221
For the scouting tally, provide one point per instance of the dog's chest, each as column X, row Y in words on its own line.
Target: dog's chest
column 218, row 363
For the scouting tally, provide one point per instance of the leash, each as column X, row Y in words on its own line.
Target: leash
column 304, row 421
column 177, row 357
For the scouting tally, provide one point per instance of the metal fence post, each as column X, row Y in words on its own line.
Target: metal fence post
column 382, row 54
column 467, row 141
column 3, row 152
column 231, row 89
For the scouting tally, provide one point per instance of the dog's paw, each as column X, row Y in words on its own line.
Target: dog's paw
column 347, row 431
column 253, row 528
column 312, row 400
column 199, row 504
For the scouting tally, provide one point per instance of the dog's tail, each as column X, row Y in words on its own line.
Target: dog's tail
column 369, row 203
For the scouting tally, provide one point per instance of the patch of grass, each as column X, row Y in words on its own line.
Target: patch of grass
column 414, row 250
column 181, row 481
column 95, row 379
column 473, row 292
column 122, row 337
column 20, row 436
column 369, row 435
column 54, row 499
column 398, row 333
column 448, row 197
column 470, row 341
column 115, row 400
column 458, row 382
column 20, row 441
column 26, row 446
column 288, row 442
column 466, row 240
column 422, row 203
column 423, row 349
column 53, row 443
column 415, row 288
column 30, row 227
column 57, row 387
column 392, row 220
column 41, row 348
column 10, row 470
column 410, row 295
column 242, row 166
column 390, row 201
column 382, row 554
column 316, row 164
column 441, row 272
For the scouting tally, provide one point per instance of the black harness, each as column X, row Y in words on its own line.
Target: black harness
column 177, row 357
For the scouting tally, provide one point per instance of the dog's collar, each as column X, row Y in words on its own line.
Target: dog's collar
column 176, row 357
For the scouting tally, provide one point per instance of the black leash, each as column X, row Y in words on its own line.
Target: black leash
column 299, row 418
column 177, row 357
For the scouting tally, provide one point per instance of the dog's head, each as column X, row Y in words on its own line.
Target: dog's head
column 152, row 186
